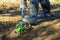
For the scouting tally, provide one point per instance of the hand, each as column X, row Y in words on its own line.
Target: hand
column 23, row 1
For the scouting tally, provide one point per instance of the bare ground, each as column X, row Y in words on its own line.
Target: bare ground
column 44, row 30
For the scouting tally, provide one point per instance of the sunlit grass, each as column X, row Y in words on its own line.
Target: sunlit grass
column 15, row 3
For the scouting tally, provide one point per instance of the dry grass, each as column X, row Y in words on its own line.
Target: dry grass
column 44, row 30
column 15, row 3
column 8, row 3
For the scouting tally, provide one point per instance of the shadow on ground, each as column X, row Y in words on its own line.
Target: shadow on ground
column 44, row 30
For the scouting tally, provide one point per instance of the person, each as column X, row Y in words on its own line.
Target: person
column 34, row 6
column 23, row 5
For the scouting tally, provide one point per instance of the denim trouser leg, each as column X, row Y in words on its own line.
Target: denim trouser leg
column 23, row 6
column 34, row 7
column 45, row 6
column 33, row 11
column 22, row 13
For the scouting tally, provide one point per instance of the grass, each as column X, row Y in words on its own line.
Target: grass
column 6, row 4
column 45, row 30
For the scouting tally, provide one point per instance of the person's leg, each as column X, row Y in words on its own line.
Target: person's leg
column 33, row 11
column 23, row 9
column 34, row 7
column 22, row 12
column 46, row 7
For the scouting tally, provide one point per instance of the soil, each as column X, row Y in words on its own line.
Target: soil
column 44, row 30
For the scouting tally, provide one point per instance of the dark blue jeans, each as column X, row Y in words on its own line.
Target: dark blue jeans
column 34, row 6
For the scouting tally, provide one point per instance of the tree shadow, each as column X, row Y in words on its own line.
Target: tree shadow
column 43, row 32
column 56, row 10
column 12, row 11
column 5, row 29
column 37, row 33
column 56, row 38
column 55, row 6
